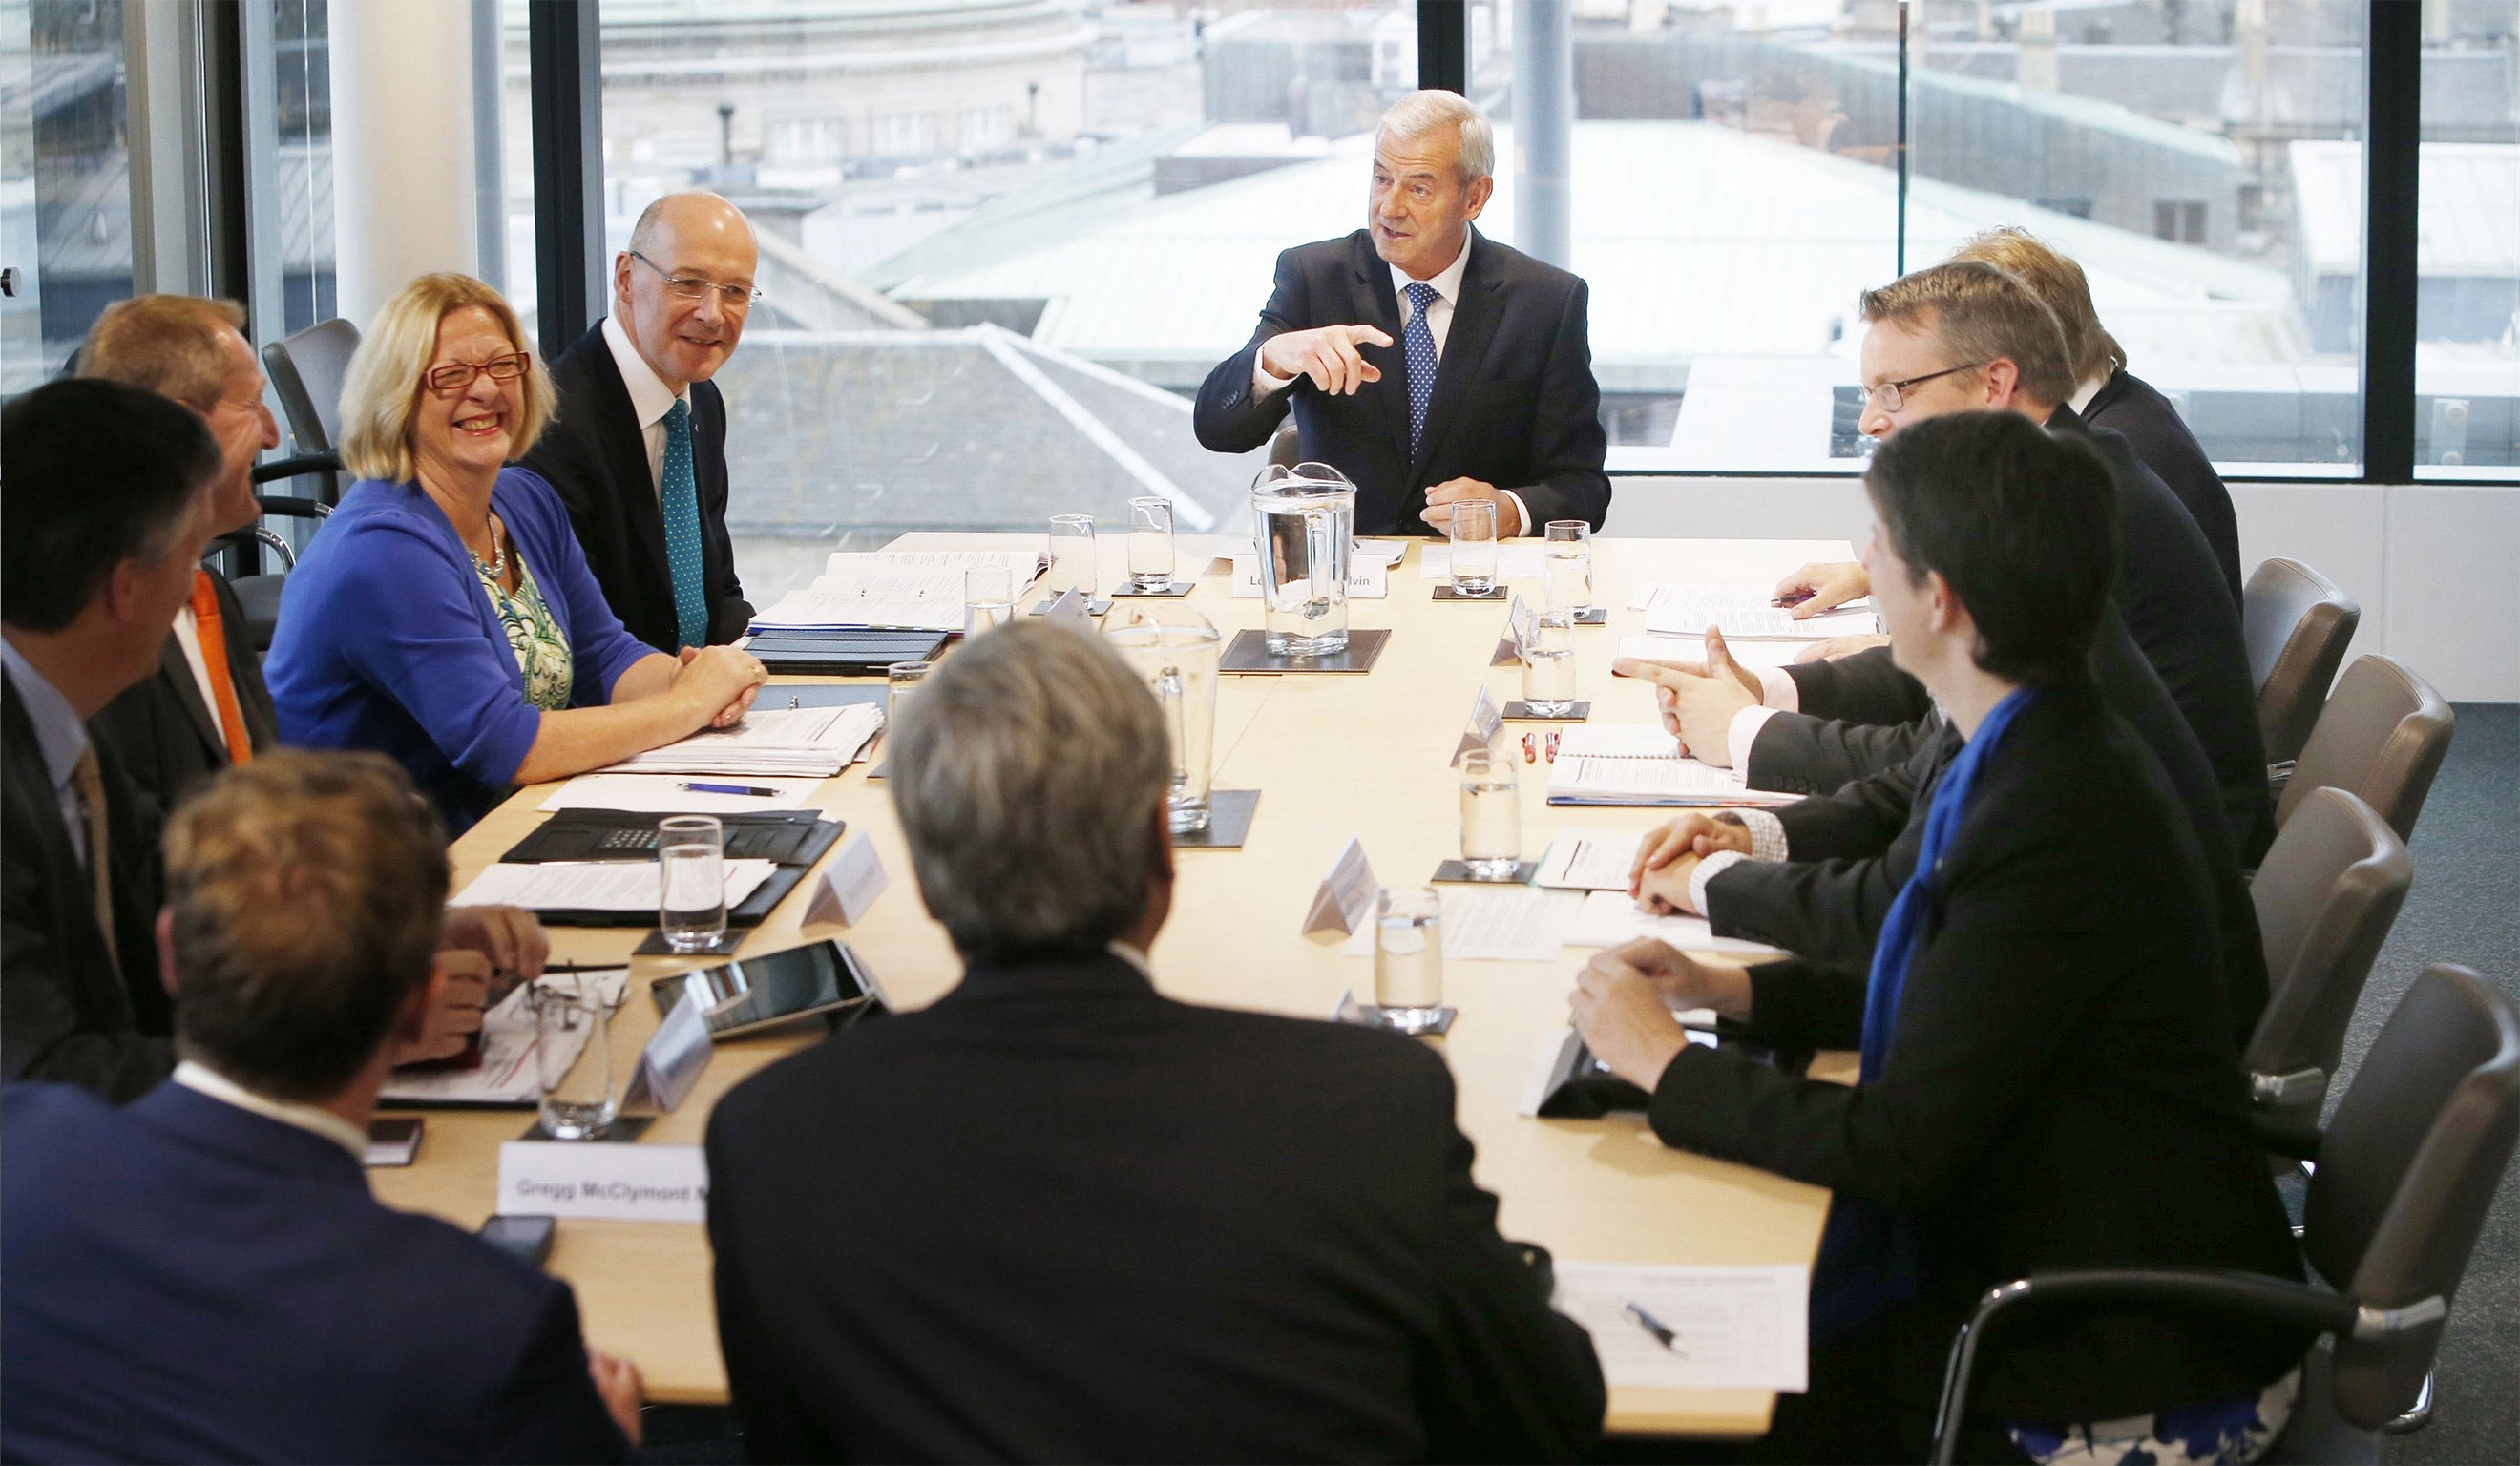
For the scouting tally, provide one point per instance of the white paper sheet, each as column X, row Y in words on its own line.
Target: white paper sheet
column 1767, row 625
column 1655, row 647
column 1609, row 918
column 1513, row 562
column 1732, row 1327
column 812, row 742
column 1640, row 764
column 1493, row 924
column 1589, row 859
column 664, row 794
column 592, row 885
column 918, row 590
column 506, row 1074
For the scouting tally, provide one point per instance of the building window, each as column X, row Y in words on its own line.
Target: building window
column 2467, row 261
column 2181, row 221
column 64, row 180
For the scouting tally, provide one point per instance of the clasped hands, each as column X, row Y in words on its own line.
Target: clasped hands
column 1625, row 998
column 1327, row 357
column 722, row 678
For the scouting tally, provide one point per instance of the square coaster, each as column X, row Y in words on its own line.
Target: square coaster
column 1229, row 820
column 1177, row 587
column 1092, row 607
column 1249, row 652
column 1496, row 591
column 623, row 1130
column 727, row 942
column 1519, row 711
column 1366, row 1015
column 1599, row 615
column 1458, row 873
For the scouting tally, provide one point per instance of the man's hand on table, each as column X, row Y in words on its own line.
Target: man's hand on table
column 1667, row 860
column 1624, row 1000
column 618, row 1380
column 1823, row 585
column 1438, row 512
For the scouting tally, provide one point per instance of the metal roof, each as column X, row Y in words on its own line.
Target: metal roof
column 2467, row 218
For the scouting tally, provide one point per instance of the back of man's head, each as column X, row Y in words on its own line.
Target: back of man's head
column 92, row 473
column 307, row 892
column 1981, row 314
column 1027, row 772
column 2022, row 523
column 2060, row 281
column 171, row 344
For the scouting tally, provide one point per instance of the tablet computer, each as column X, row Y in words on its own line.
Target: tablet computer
column 739, row 996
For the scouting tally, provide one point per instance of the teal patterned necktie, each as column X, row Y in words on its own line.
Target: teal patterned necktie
column 680, row 493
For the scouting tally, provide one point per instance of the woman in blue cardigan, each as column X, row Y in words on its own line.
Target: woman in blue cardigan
column 444, row 615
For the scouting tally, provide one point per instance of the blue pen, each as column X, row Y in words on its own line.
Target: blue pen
column 729, row 789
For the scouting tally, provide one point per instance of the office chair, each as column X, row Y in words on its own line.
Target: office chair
column 2382, row 735
column 2297, row 625
column 307, row 371
column 258, row 589
column 2325, row 897
column 2407, row 1171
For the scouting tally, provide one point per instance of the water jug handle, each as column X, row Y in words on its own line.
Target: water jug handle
column 1322, row 555
column 1173, row 696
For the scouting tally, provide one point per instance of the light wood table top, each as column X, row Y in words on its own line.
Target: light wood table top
column 1334, row 756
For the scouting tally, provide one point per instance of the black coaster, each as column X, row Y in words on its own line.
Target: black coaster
column 1177, row 587
column 1366, row 1015
column 1458, row 873
column 1229, row 820
column 1599, row 615
column 1519, row 711
column 1496, row 591
column 1248, row 652
column 727, row 942
column 1092, row 607
column 623, row 1130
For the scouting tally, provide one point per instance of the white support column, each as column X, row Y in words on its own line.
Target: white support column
column 404, row 201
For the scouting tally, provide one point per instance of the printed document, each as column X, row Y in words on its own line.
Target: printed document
column 812, row 742
column 1589, row 859
column 1506, row 923
column 664, row 794
column 1638, row 764
column 593, row 885
column 916, row 590
column 507, row 1074
column 1609, row 918
column 1742, row 613
column 1732, row 1327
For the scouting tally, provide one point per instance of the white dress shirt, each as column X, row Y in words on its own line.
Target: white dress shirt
column 649, row 398
column 188, row 634
column 60, row 737
column 204, row 1079
column 1439, row 325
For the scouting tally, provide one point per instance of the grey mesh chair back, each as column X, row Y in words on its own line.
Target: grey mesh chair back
column 2325, row 897
column 2297, row 625
column 307, row 371
column 2382, row 736
column 2408, row 1169
column 1286, row 448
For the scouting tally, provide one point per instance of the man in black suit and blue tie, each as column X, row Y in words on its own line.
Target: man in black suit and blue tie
column 1423, row 359
column 638, row 448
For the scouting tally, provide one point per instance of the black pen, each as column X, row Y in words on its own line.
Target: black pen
column 1656, row 1327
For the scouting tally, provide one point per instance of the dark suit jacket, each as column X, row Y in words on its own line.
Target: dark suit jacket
column 167, row 735
column 594, row 455
column 2062, row 1053
column 1516, row 404
column 2129, row 407
column 1059, row 1217
column 2168, row 591
column 190, row 1281
column 1852, row 850
column 67, row 1011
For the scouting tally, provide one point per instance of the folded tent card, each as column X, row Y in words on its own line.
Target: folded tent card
column 1487, row 720
column 1344, row 900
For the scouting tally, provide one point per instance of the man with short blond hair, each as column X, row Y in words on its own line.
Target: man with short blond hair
column 1423, row 360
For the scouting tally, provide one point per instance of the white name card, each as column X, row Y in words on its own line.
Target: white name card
column 1486, row 719
column 850, row 884
column 1345, row 901
column 674, row 1057
column 1521, row 624
column 613, row 1182
column 1367, row 580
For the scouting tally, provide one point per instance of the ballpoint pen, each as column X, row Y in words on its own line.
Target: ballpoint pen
column 1530, row 753
column 748, row 789
column 1553, row 745
column 1651, row 1324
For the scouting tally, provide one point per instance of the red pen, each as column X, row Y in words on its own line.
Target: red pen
column 1553, row 745
column 1530, row 754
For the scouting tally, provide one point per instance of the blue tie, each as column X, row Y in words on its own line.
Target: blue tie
column 681, row 494
column 1420, row 344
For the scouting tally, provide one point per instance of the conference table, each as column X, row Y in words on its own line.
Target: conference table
column 1335, row 757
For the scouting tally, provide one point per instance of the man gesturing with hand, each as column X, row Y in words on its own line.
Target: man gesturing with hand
column 1423, row 360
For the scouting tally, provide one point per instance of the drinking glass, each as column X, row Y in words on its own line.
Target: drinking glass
column 573, row 1055
column 1474, row 546
column 1548, row 665
column 690, row 881
column 1408, row 958
column 1569, row 567
column 1150, row 544
column 988, row 599
column 1491, row 816
column 1176, row 649
column 901, row 679
column 1072, row 563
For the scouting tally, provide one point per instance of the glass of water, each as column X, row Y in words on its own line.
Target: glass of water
column 1409, row 960
column 1569, row 567
column 1491, row 816
column 1548, row 665
column 1151, row 545
column 573, row 1055
column 1474, row 546
column 1072, row 563
column 988, row 599
column 690, row 881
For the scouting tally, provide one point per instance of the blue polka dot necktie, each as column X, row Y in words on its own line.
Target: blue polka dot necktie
column 1419, row 344
column 679, row 492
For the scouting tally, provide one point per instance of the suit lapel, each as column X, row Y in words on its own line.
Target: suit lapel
column 177, row 669
column 625, row 456
column 1377, row 306
column 1465, row 347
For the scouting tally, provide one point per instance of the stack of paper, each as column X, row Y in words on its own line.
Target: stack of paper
column 594, row 885
column 1638, row 764
column 915, row 590
column 1746, row 614
column 814, row 742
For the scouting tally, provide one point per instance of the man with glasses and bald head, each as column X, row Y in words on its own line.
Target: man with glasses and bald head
column 638, row 448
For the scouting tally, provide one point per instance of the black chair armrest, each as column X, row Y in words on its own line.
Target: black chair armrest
column 297, row 467
column 2250, row 1294
column 290, row 506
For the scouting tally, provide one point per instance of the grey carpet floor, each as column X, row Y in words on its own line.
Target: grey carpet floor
column 2465, row 907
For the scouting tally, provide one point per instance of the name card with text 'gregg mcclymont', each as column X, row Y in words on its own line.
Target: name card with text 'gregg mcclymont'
column 631, row 1182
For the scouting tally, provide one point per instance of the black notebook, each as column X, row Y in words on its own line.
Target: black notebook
column 789, row 837
column 841, row 653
